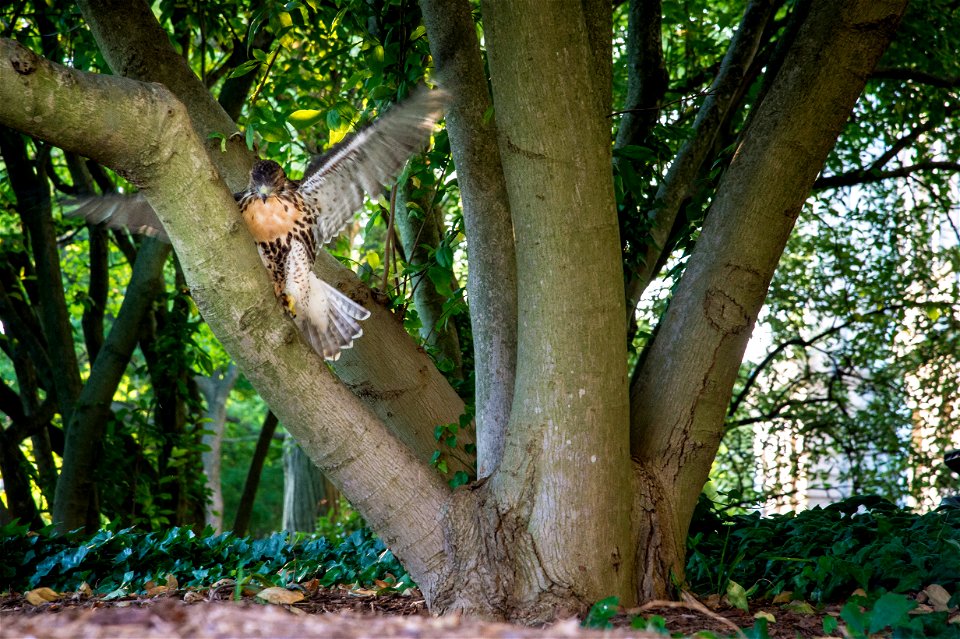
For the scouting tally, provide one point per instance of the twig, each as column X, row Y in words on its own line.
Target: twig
column 691, row 603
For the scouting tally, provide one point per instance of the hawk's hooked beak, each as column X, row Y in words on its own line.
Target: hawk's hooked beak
column 264, row 191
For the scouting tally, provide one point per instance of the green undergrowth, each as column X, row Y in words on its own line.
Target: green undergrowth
column 824, row 555
column 123, row 561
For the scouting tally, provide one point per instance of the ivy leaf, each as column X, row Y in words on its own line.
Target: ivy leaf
column 890, row 610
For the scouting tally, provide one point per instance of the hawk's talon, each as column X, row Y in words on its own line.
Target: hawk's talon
column 289, row 304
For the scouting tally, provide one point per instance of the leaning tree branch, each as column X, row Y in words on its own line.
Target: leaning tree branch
column 680, row 397
column 390, row 374
column 872, row 176
column 799, row 341
column 142, row 131
column 646, row 73
column 904, row 141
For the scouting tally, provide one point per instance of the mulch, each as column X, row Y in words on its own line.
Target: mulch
column 343, row 613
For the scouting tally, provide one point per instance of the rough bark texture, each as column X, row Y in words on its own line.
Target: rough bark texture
column 681, row 394
column 492, row 282
column 548, row 532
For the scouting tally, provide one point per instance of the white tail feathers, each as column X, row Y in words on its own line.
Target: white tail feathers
column 329, row 319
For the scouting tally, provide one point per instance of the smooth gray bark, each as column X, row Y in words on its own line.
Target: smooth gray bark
column 492, row 281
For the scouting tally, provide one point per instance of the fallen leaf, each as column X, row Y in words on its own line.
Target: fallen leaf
column 712, row 601
column 765, row 615
column 737, row 596
column 276, row 595
column 85, row 590
column 938, row 597
column 783, row 597
column 172, row 583
column 192, row 596
column 156, row 591
column 40, row 596
column 362, row 592
column 311, row 586
column 859, row 592
column 800, row 607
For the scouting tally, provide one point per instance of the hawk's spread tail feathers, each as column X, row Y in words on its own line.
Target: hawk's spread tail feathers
column 329, row 319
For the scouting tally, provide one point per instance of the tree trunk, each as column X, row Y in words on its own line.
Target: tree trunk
column 241, row 523
column 514, row 550
column 560, row 520
column 492, row 281
column 306, row 493
column 683, row 389
column 216, row 390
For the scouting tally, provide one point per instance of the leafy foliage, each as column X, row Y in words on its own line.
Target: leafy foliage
column 126, row 559
column 824, row 555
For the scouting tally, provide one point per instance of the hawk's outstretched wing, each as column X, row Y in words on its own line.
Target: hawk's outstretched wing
column 333, row 186
column 131, row 212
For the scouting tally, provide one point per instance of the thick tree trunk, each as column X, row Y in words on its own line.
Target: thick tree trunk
column 548, row 533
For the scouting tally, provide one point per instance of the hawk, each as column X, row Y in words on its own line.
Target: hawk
column 291, row 220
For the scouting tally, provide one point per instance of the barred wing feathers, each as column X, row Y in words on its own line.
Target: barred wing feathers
column 333, row 187
column 117, row 211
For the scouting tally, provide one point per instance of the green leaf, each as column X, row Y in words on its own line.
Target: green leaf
column 333, row 119
column 890, row 610
column 244, row 68
column 830, row 625
column 302, row 118
column 601, row 613
column 444, row 255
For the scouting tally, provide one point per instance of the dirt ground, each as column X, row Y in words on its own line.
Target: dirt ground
column 338, row 614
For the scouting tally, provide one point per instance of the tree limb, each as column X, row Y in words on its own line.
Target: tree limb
column 141, row 130
column 681, row 395
column 395, row 380
column 916, row 76
column 872, row 176
column 492, row 283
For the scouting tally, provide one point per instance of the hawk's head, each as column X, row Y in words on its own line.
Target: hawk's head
column 266, row 178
